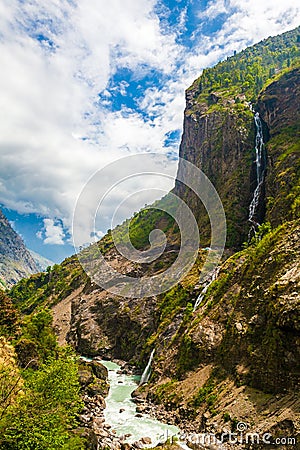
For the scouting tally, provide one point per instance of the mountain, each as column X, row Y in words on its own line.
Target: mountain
column 16, row 261
column 235, row 358
column 41, row 262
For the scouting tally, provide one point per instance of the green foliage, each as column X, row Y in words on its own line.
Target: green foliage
column 144, row 222
column 10, row 379
column 8, row 316
column 204, row 394
column 175, row 299
column 166, row 393
column 248, row 71
column 226, row 417
column 262, row 230
column 37, row 340
column 38, row 406
column 188, row 356
column 147, row 220
column 45, row 413
column 56, row 283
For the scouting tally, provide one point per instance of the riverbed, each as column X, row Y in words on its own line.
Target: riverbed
column 120, row 411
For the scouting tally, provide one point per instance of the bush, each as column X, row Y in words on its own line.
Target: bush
column 43, row 416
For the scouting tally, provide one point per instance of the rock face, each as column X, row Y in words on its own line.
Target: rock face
column 16, row 261
column 277, row 104
column 218, row 139
column 103, row 324
column 279, row 107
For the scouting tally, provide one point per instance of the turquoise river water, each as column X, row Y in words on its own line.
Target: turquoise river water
column 120, row 411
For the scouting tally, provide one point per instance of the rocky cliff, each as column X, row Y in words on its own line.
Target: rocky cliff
column 16, row 261
column 218, row 138
column 237, row 357
column 279, row 107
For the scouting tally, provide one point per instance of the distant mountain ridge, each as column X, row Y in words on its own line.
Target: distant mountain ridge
column 16, row 261
column 41, row 262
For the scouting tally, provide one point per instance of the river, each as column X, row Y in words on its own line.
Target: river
column 120, row 412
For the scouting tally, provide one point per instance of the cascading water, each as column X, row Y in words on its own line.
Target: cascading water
column 121, row 414
column 147, row 372
column 260, row 162
column 200, row 297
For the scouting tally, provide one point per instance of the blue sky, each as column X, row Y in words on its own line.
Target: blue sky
column 85, row 82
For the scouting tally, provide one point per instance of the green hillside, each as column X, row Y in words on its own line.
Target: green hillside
column 247, row 72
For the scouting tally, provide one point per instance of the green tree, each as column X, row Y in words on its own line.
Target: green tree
column 43, row 417
column 38, row 339
column 8, row 316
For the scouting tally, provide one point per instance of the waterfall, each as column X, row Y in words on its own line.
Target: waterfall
column 146, row 374
column 201, row 296
column 260, row 162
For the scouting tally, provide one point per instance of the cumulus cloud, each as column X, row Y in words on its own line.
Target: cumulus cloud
column 214, row 9
column 58, row 56
column 52, row 232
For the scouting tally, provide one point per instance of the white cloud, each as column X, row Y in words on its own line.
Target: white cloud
column 214, row 9
column 49, row 88
column 53, row 232
column 50, row 98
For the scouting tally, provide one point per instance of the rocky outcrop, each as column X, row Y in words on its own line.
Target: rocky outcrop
column 104, row 325
column 277, row 104
column 218, row 138
column 279, row 107
column 16, row 261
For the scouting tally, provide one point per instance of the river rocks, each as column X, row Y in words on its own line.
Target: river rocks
column 96, row 388
column 85, row 374
column 99, row 370
column 126, row 446
column 99, row 435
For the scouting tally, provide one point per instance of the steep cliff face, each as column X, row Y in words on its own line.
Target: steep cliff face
column 218, row 138
column 280, row 109
column 16, row 261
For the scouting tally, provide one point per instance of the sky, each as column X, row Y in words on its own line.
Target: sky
column 84, row 83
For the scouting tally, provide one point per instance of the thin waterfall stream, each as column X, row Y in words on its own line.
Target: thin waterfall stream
column 213, row 277
column 147, row 372
column 260, row 162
